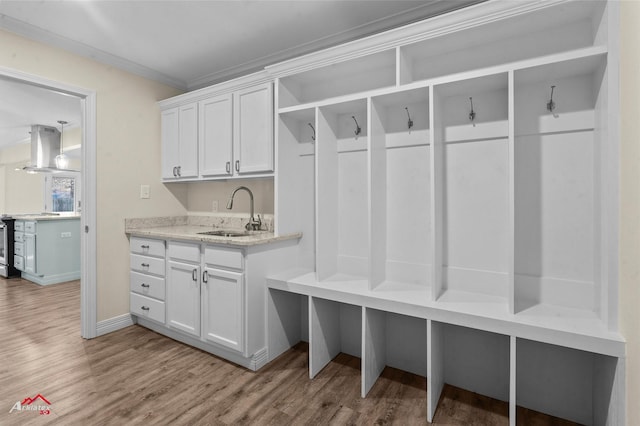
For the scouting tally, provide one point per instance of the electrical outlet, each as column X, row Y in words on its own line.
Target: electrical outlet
column 144, row 191
column 214, row 206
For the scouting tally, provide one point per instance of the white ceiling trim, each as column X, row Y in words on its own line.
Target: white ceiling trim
column 45, row 37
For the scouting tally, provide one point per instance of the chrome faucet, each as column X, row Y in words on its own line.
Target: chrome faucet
column 253, row 224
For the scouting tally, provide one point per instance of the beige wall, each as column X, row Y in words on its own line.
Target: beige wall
column 200, row 195
column 630, row 201
column 20, row 192
column 128, row 152
column 23, row 192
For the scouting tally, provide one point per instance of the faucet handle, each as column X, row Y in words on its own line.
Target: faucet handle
column 253, row 224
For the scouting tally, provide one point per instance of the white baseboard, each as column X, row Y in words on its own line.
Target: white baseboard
column 113, row 324
column 51, row 279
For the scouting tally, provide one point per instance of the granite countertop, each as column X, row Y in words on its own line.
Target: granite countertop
column 189, row 227
column 40, row 217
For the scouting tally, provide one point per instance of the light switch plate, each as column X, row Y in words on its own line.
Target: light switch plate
column 214, row 206
column 144, row 191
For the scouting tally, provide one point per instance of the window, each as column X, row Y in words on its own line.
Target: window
column 61, row 193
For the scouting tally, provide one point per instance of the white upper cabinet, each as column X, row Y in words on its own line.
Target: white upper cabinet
column 180, row 142
column 253, row 139
column 218, row 133
column 170, row 146
column 216, row 136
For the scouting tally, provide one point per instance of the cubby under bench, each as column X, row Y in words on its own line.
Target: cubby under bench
column 557, row 361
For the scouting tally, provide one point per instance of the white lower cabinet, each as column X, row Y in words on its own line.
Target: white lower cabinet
column 222, row 308
column 213, row 294
column 205, row 293
column 183, row 297
column 147, row 307
column 147, row 279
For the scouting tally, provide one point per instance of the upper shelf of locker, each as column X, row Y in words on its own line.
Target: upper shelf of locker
column 451, row 47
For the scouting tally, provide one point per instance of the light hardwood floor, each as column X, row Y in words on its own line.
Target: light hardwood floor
column 137, row 377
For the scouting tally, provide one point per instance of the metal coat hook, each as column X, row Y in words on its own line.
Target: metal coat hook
column 313, row 137
column 358, row 129
column 551, row 106
column 472, row 113
column 410, row 121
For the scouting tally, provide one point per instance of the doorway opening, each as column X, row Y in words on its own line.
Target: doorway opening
column 87, row 191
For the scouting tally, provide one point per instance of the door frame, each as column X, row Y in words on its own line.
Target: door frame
column 88, row 241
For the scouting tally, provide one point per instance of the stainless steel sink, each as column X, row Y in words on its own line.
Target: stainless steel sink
column 229, row 233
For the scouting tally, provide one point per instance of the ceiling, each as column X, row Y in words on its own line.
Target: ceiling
column 22, row 105
column 190, row 44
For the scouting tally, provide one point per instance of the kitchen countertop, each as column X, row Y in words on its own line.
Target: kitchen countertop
column 40, row 217
column 188, row 229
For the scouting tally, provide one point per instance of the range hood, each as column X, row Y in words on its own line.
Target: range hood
column 45, row 146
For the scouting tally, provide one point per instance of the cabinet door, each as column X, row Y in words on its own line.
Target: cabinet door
column 170, row 143
column 216, row 136
column 223, row 316
column 30, row 254
column 188, row 125
column 253, row 133
column 183, row 297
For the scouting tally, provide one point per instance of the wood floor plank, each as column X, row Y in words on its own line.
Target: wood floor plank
column 137, row 377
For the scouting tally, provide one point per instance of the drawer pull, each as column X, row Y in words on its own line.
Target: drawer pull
column 144, row 265
column 144, row 285
column 144, row 308
column 145, row 247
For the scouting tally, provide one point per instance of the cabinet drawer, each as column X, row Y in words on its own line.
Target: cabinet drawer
column 148, row 265
column 223, row 257
column 147, row 285
column 146, row 307
column 188, row 252
column 147, row 246
column 19, row 226
column 18, row 262
column 30, row 227
column 18, row 249
column 19, row 237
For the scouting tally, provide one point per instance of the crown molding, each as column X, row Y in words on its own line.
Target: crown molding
column 224, row 87
column 48, row 38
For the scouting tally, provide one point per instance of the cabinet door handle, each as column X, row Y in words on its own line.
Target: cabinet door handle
column 179, row 171
column 228, row 167
column 144, row 308
column 194, row 274
column 144, row 265
column 144, row 285
column 175, row 171
column 237, row 165
column 205, row 277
